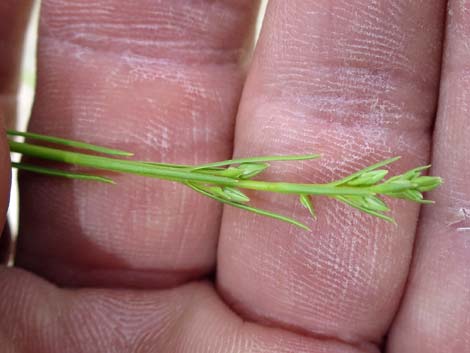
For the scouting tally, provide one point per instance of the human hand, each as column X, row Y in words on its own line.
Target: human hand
column 130, row 267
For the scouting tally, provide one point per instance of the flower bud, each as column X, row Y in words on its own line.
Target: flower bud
column 307, row 203
column 369, row 178
column 410, row 194
column 414, row 173
column 249, row 170
column 427, row 183
column 235, row 195
column 374, row 203
column 216, row 191
column 230, row 172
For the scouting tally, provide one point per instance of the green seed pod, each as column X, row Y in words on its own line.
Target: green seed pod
column 217, row 191
column 376, row 204
column 230, row 172
column 394, row 186
column 369, row 178
column 235, row 195
column 249, row 170
column 307, row 203
column 412, row 195
column 415, row 173
column 427, row 183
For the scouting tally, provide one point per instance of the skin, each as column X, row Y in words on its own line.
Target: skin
column 148, row 266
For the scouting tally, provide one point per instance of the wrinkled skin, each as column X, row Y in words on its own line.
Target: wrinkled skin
column 149, row 266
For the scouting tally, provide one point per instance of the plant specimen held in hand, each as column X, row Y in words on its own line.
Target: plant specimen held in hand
column 225, row 181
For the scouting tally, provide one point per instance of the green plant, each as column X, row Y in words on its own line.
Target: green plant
column 224, row 181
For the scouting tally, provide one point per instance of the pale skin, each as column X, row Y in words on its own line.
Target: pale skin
column 148, row 266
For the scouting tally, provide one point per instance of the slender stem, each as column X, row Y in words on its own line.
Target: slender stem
column 70, row 143
column 177, row 174
column 116, row 165
column 60, row 173
column 309, row 189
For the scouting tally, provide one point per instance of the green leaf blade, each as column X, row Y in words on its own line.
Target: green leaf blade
column 61, row 173
column 367, row 169
column 307, row 203
column 70, row 143
column 257, row 160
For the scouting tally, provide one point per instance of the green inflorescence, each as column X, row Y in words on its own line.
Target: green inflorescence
column 224, row 181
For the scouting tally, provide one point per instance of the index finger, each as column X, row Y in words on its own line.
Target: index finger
column 158, row 78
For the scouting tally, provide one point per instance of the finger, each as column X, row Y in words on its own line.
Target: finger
column 14, row 16
column 355, row 81
column 435, row 312
column 161, row 79
column 184, row 320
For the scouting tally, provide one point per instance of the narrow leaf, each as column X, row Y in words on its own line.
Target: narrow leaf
column 61, row 173
column 368, row 178
column 70, row 143
column 168, row 165
column 257, row 159
column 235, row 195
column 307, row 203
column 375, row 203
column 249, row 170
column 415, row 172
column 368, row 169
